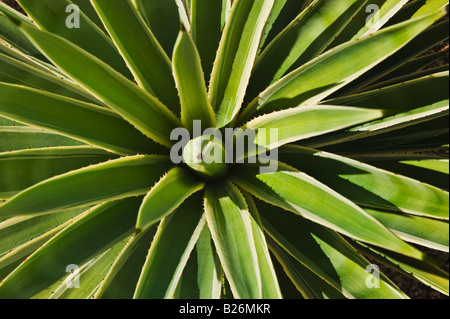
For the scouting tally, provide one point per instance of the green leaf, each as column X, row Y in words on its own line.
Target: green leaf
column 367, row 185
column 90, row 275
column 406, row 119
column 320, row 204
column 134, row 104
column 429, row 274
column 324, row 75
column 85, row 122
column 190, row 82
column 7, row 122
column 282, row 14
column 31, row 61
column 429, row 7
column 305, row 38
column 275, row 12
column 178, row 234
column 184, row 13
column 360, row 24
column 306, row 122
column 17, row 231
column 422, row 42
column 146, row 59
column 55, row 16
column 202, row 277
column 396, row 123
column 415, row 65
column 12, row 260
column 120, row 282
column 407, row 11
column 210, row 273
column 75, row 245
column 287, row 286
column 117, row 179
column 402, row 154
column 7, row 270
column 24, row 137
column 269, row 281
column 422, row 140
column 441, row 166
column 423, row 231
column 167, row 195
column 309, row 285
column 400, row 97
column 431, row 171
column 187, row 287
column 16, row 72
column 11, row 12
column 325, row 253
column 386, row 11
column 23, row 169
column 87, row 8
column 229, row 220
column 409, row 77
column 163, row 19
column 236, row 55
column 207, row 23
column 12, row 35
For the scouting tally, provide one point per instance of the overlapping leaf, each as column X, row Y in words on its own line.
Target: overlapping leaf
column 23, row 169
column 235, row 58
column 229, row 220
column 324, row 75
column 86, row 122
column 369, row 186
column 147, row 61
column 320, row 204
column 74, row 245
column 117, row 179
column 135, row 105
column 178, row 233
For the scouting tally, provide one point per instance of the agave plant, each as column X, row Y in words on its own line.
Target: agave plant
column 92, row 94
